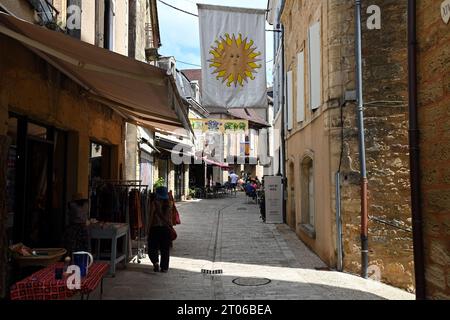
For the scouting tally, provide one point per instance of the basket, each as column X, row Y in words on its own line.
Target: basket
column 44, row 257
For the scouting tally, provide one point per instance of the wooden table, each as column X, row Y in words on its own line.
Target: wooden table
column 113, row 232
column 43, row 285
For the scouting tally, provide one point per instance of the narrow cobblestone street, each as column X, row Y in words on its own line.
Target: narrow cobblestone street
column 227, row 234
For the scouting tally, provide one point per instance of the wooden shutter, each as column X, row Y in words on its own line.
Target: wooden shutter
column 301, row 87
column 290, row 101
column 99, row 23
column 315, row 62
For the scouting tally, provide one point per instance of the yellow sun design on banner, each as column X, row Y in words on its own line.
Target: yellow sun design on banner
column 235, row 60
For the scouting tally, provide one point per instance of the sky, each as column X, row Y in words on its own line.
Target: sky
column 180, row 32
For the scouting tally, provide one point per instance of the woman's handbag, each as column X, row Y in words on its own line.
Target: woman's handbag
column 173, row 234
column 177, row 217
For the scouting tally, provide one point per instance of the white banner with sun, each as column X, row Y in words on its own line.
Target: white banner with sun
column 233, row 45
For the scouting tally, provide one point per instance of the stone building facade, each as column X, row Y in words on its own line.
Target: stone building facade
column 433, row 68
column 322, row 134
column 58, row 134
column 49, row 99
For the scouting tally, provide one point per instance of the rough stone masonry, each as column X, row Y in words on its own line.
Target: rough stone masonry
column 386, row 128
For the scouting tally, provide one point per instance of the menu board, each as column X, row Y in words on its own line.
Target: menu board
column 273, row 186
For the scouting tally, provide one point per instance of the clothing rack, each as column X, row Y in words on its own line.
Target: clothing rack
column 129, row 186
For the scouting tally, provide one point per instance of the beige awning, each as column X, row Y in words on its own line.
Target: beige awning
column 142, row 93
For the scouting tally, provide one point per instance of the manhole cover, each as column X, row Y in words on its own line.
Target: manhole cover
column 251, row 282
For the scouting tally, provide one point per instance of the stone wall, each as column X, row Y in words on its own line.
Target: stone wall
column 387, row 152
column 310, row 136
column 434, row 121
column 385, row 94
column 47, row 96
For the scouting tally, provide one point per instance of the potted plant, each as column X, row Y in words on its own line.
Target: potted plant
column 161, row 182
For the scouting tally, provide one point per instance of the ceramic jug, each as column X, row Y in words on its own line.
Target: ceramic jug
column 83, row 260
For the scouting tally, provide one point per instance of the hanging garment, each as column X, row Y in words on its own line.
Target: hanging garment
column 124, row 205
column 106, row 203
column 94, row 205
column 135, row 213
column 144, row 205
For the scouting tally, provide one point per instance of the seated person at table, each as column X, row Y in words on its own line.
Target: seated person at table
column 76, row 236
column 250, row 190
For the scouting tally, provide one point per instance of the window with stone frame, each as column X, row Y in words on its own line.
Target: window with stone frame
column 308, row 195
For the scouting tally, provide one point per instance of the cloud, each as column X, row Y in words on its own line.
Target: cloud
column 180, row 31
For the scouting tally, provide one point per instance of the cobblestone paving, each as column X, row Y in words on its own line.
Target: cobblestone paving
column 228, row 235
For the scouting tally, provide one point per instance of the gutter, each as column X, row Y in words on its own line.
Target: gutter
column 283, row 127
column 155, row 20
column 414, row 147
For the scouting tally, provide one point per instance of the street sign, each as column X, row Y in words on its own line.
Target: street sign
column 273, row 186
column 445, row 11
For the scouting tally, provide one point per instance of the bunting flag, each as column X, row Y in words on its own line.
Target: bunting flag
column 233, row 46
column 223, row 126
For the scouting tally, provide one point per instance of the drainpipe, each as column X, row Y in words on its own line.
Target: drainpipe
column 415, row 155
column 362, row 146
column 339, row 224
column 283, row 130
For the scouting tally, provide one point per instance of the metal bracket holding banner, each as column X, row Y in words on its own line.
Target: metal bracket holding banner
column 273, row 186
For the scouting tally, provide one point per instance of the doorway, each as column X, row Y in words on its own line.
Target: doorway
column 292, row 199
column 179, row 182
column 36, row 183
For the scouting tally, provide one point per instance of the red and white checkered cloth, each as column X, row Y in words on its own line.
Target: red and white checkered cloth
column 42, row 285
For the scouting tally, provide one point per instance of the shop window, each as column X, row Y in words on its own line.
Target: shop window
column 163, row 170
column 146, row 169
column 100, row 162
column 179, row 182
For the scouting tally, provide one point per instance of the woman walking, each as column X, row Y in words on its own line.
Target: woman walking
column 160, row 230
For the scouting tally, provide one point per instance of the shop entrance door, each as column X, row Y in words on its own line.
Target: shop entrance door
column 179, row 182
column 39, row 183
column 37, row 197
